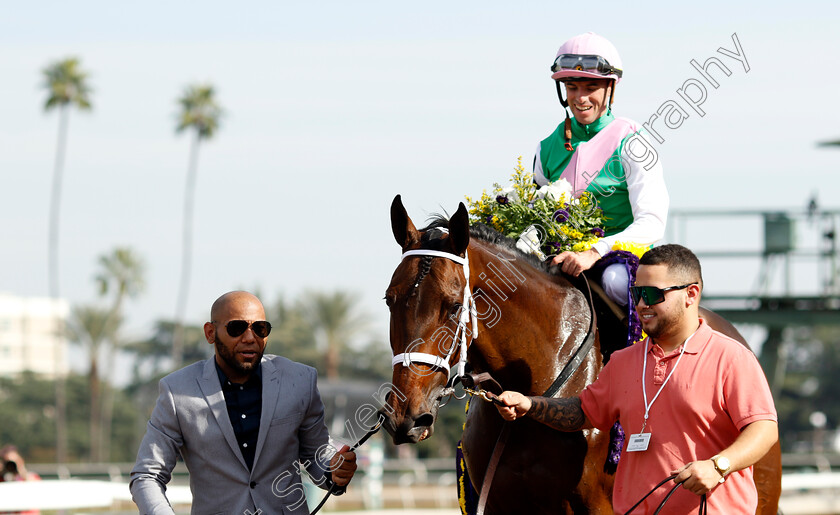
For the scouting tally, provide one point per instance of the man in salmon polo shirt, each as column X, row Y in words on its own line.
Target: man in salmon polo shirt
column 703, row 412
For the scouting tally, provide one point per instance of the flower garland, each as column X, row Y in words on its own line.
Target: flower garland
column 546, row 220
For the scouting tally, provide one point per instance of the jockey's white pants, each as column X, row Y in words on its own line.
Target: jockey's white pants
column 616, row 283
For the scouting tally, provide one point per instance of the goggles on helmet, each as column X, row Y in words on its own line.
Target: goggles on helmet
column 588, row 63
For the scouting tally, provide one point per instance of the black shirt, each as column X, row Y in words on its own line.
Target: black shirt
column 244, row 405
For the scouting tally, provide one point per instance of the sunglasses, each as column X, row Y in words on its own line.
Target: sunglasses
column 584, row 62
column 651, row 294
column 236, row 328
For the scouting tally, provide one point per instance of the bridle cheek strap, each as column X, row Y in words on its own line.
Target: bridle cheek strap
column 468, row 316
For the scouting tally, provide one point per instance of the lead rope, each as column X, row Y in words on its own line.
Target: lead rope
column 701, row 511
column 335, row 489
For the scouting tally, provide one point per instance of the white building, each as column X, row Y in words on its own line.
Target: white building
column 30, row 336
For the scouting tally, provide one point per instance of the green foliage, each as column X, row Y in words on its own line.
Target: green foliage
column 27, row 409
column 335, row 322
column 89, row 326
column 303, row 329
column 199, row 110
column 122, row 270
column 152, row 355
column 66, row 83
column 560, row 222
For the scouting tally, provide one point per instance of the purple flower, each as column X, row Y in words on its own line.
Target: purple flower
column 489, row 219
column 502, row 199
column 560, row 216
column 556, row 246
column 597, row 231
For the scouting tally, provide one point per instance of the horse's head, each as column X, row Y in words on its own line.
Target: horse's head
column 424, row 297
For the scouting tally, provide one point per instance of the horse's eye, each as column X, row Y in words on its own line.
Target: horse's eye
column 389, row 300
column 455, row 310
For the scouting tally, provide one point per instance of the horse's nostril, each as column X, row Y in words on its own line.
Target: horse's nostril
column 424, row 420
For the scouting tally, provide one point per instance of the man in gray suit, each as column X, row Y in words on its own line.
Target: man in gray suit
column 244, row 424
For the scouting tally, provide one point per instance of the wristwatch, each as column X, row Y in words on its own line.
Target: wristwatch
column 722, row 465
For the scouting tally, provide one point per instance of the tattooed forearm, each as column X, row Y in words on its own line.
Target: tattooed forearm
column 561, row 414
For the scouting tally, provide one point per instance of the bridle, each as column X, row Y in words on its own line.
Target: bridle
column 468, row 315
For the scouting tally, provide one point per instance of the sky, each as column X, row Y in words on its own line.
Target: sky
column 333, row 108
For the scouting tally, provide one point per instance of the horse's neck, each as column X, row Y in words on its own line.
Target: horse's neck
column 529, row 321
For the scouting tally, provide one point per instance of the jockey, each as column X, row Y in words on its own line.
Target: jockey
column 605, row 155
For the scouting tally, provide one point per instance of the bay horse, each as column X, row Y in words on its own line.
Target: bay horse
column 527, row 323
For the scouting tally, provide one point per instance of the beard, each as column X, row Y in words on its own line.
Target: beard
column 229, row 357
column 664, row 323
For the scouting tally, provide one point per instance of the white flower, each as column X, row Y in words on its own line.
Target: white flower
column 529, row 242
column 558, row 191
column 510, row 193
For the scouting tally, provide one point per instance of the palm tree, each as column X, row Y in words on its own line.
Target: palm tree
column 66, row 85
column 199, row 114
column 335, row 317
column 122, row 271
column 91, row 326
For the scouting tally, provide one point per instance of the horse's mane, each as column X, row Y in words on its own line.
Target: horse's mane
column 487, row 234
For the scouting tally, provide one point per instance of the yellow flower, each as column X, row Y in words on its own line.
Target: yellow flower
column 631, row 247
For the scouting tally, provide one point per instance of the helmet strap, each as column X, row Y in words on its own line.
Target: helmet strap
column 612, row 93
column 567, row 132
column 567, row 125
column 560, row 94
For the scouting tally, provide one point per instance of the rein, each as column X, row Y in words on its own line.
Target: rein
column 701, row 511
column 564, row 375
column 335, row 489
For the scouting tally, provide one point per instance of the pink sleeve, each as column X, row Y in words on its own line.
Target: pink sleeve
column 596, row 401
column 747, row 394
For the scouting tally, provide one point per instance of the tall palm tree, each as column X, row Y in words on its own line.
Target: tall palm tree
column 66, row 86
column 200, row 115
column 121, row 272
column 335, row 317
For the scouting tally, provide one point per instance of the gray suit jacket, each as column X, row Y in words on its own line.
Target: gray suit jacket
column 191, row 418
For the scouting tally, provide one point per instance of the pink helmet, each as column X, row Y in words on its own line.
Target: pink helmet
column 587, row 55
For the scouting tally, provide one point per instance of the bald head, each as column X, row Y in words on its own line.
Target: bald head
column 224, row 303
column 238, row 354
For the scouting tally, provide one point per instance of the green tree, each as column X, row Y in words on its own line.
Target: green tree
column 336, row 321
column 200, row 115
column 121, row 274
column 295, row 334
column 91, row 327
column 28, row 417
column 292, row 333
column 151, row 359
column 66, row 86
column 152, row 355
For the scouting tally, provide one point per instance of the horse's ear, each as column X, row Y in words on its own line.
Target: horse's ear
column 459, row 230
column 404, row 231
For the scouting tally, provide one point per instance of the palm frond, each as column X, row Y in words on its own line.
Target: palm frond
column 66, row 83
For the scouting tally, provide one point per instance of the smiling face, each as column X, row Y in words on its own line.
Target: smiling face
column 672, row 320
column 588, row 99
column 239, row 356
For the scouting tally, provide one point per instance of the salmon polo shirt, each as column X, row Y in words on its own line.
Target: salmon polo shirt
column 716, row 389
